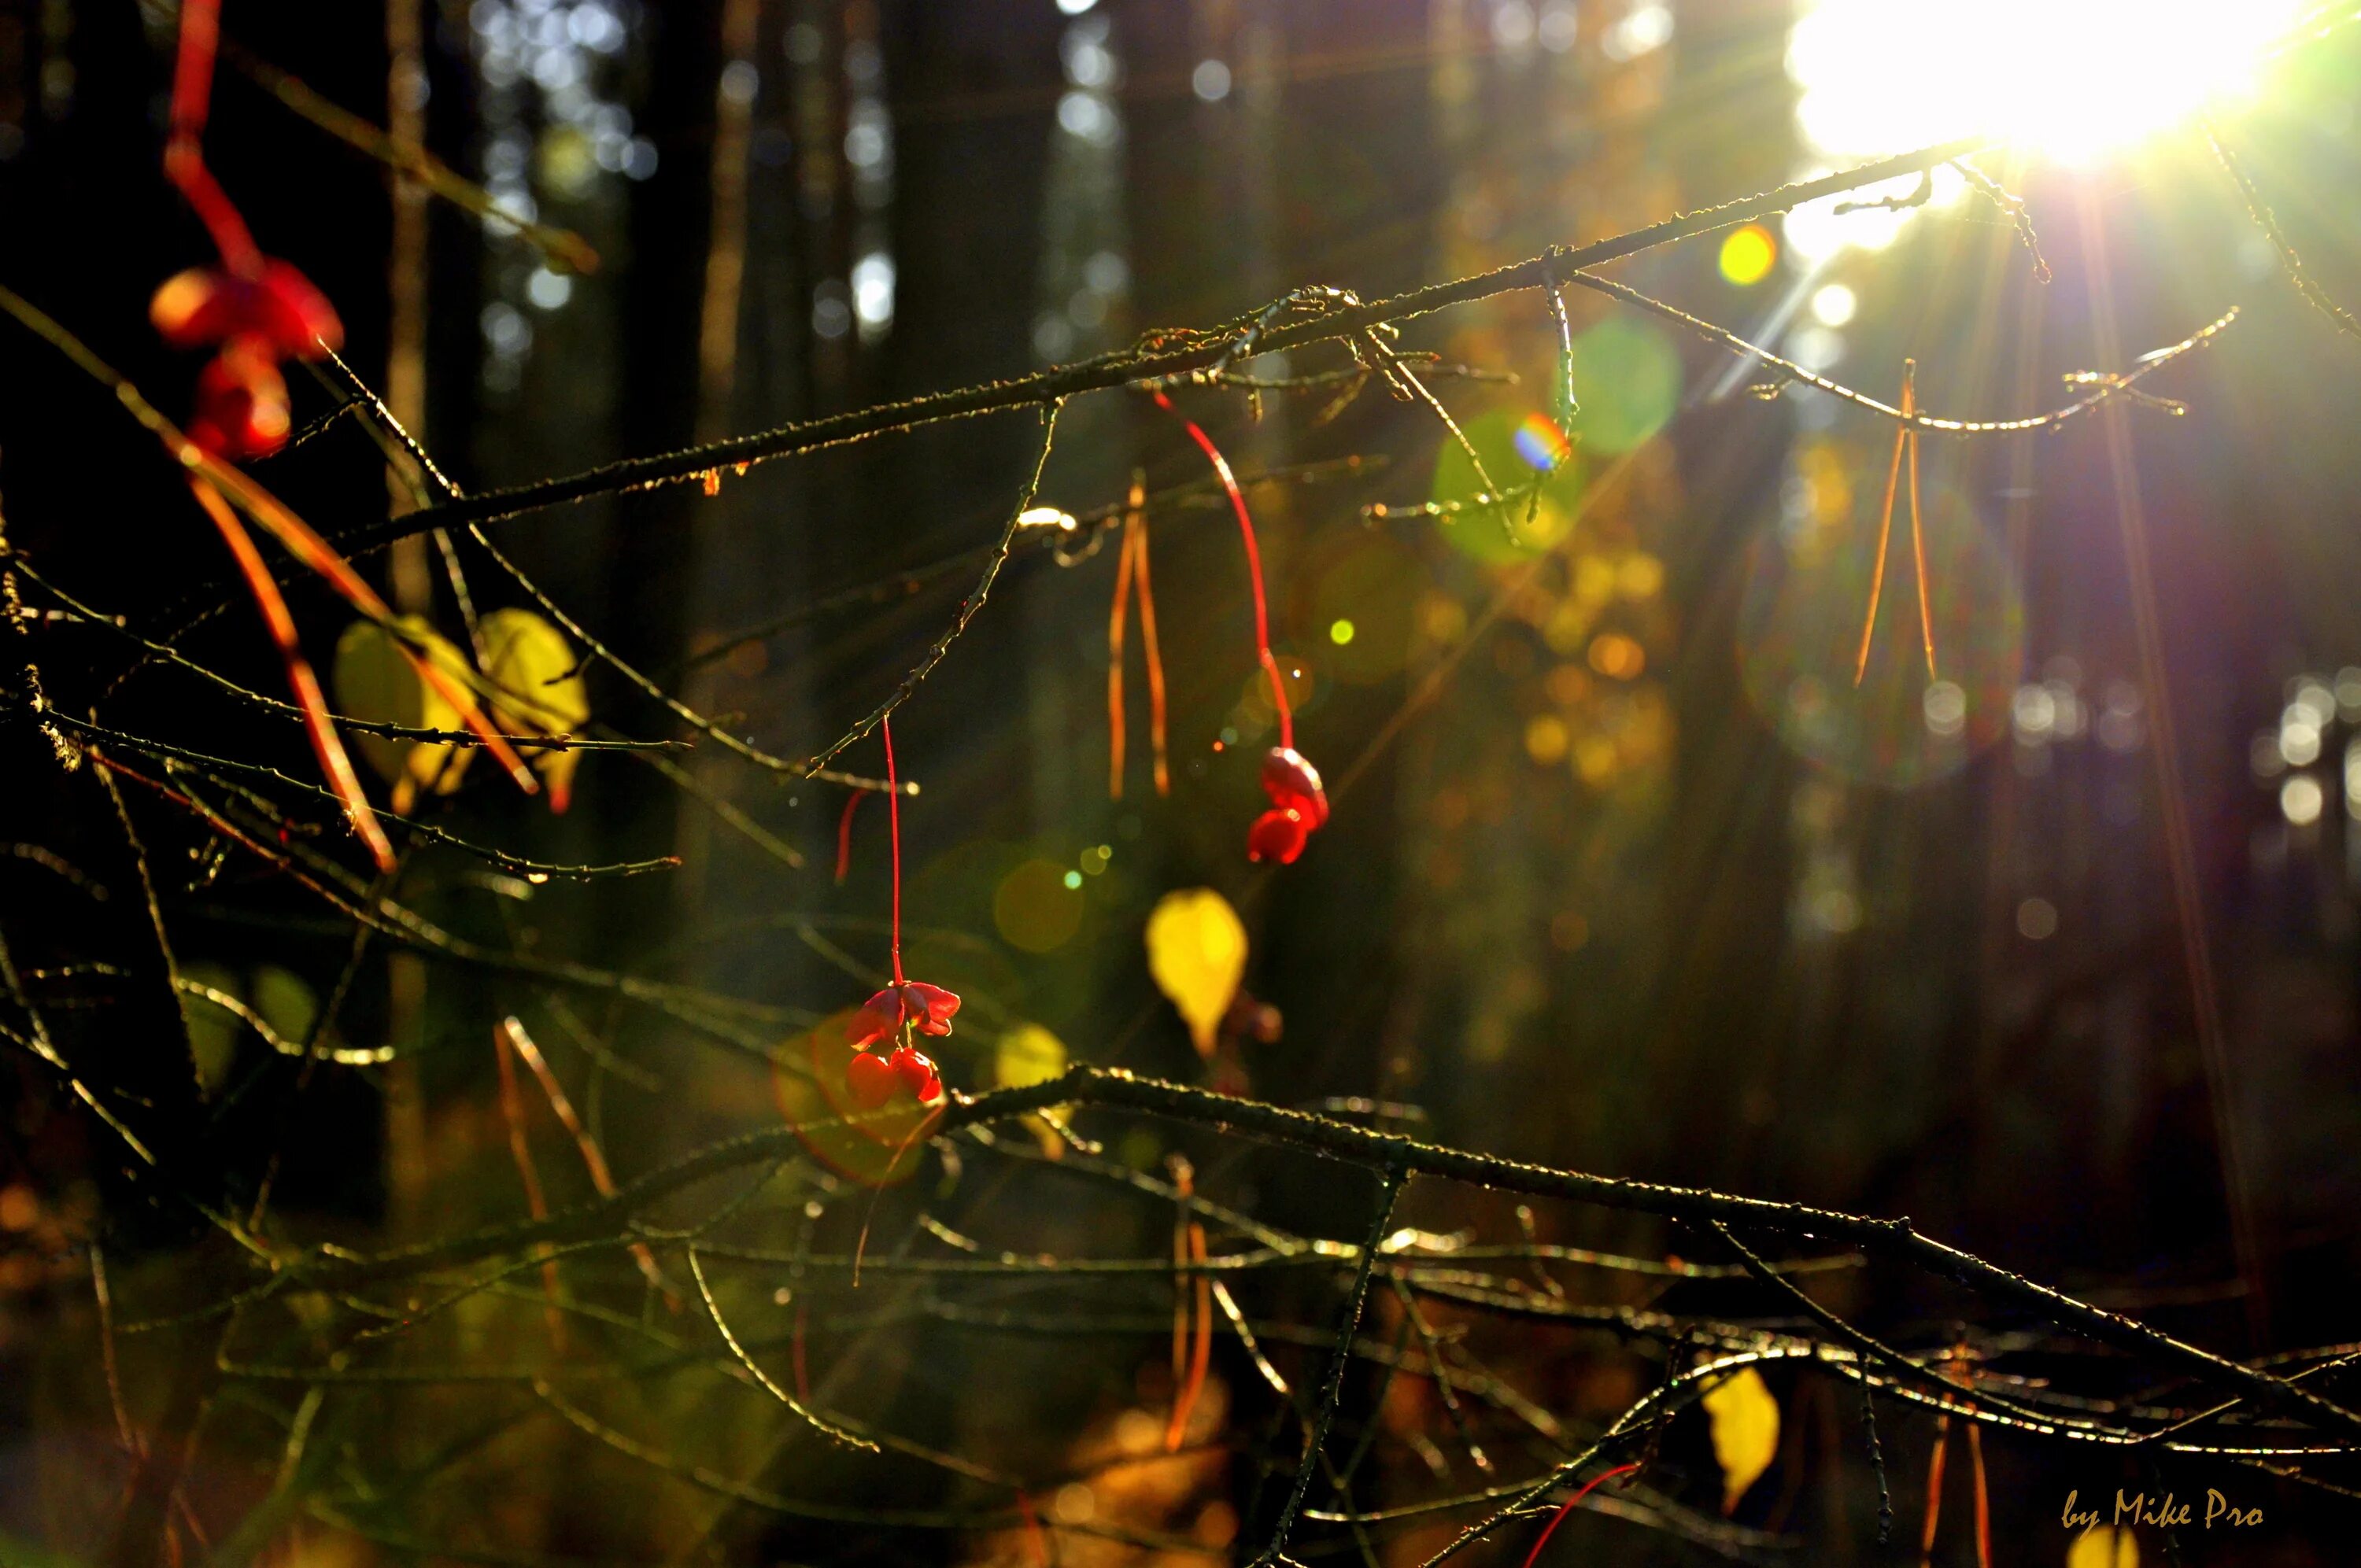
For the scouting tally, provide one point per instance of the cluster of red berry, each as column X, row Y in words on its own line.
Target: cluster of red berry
column 904, row 1007
column 1298, row 805
column 259, row 322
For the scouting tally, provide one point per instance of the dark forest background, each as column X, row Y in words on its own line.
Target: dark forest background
column 1675, row 937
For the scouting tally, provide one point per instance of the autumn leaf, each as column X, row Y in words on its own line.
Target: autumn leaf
column 1029, row 1053
column 376, row 682
column 1197, row 954
column 2104, row 1546
column 540, row 690
column 1745, row 1432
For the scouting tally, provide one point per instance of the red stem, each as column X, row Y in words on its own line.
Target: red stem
column 1568, row 1507
column 1254, row 563
column 1033, row 1531
column 844, row 835
column 894, row 817
column 184, row 157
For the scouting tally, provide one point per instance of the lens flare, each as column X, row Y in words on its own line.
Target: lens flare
column 2075, row 78
column 1629, row 377
column 1541, row 444
column 1748, row 254
column 1504, row 454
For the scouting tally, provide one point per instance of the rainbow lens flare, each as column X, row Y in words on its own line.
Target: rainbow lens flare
column 1541, row 444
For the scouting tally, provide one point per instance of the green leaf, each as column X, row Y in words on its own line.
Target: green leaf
column 374, row 681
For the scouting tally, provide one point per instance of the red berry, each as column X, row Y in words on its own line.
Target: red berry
column 927, row 1008
column 871, row 1080
column 241, row 405
column 1277, row 835
column 202, row 306
column 918, row 1073
column 192, row 309
column 1291, row 782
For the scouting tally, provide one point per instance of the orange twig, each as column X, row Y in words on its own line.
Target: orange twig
column 593, row 1160
column 1201, row 1354
column 536, row 1202
column 1886, row 517
column 283, row 525
column 1124, row 567
column 1934, row 1490
column 304, row 543
column 325, row 745
column 1983, row 1497
column 1133, row 565
column 1149, row 646
column 1917, row 536
column 1193, row 1314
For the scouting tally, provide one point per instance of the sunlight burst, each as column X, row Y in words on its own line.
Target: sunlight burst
column 2073, row 78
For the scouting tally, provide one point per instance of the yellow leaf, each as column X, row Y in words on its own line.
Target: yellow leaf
column 1745, row 1432
column 2104, row 1546
column 1029, row 1053
column 374, row 681
column 1197, row 953
column 529, row 662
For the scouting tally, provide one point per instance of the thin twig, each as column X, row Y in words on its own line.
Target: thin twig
column 967, row 609
column 1142, row 363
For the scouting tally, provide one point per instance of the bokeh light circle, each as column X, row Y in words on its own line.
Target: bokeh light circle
column 1035, row 908
column 1748, row 254
column 1365, row 590
column 1628, row 376
column 1516, row 448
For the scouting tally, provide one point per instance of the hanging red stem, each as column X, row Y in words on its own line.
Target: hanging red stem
column 184, row 157
column 1934, row 1491
column 893, row 830
column 844, row 835
column 1132, row 564
column 1906, row 441
column 1568, row 1507
column 1253, row 562
column 536, row 1205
